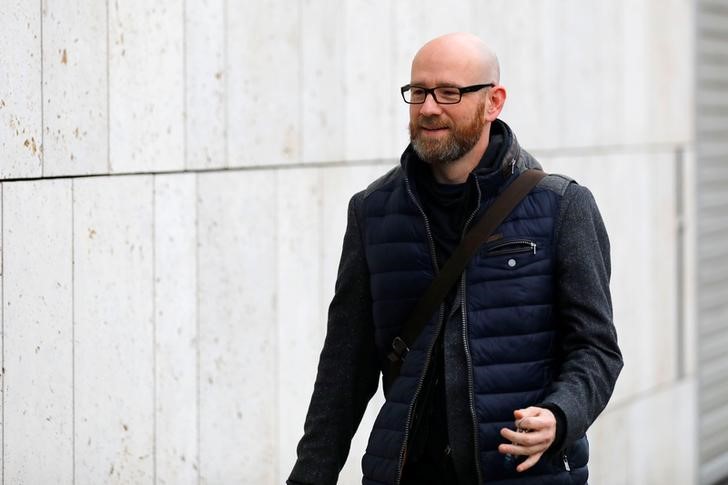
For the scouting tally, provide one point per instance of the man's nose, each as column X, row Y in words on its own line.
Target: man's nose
column 430, row 106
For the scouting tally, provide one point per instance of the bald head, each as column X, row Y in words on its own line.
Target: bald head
column 459, row 52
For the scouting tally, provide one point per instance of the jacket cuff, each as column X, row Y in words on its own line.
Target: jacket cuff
column 559, row 441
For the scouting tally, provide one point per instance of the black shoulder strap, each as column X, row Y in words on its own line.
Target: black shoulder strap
column 454, row 267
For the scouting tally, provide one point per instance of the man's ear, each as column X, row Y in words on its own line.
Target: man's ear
column 496, row 99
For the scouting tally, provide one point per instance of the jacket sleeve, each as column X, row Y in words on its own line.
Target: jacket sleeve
column 348, row 370
column 590, row 359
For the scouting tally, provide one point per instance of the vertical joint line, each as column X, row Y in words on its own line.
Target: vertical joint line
column 73, row 331
column 42, row 99
column 2, row 317
column 108, row 89
column 680, row 261
column 185, row 115
column 154, row 329
column 300, row 83
column 197, row 322
column 226, row 86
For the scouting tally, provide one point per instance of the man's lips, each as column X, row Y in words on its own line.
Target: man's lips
column 433, row 129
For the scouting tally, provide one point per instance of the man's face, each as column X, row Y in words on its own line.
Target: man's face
column 444, row 137
column 442, row 133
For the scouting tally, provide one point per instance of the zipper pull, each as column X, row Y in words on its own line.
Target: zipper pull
column 513, row 166
column 533, row 245
column 566, row 463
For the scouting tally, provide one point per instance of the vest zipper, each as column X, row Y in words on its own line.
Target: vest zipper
column 440, row 316
column 511, row 247
column 469, row 362
column 468, row 358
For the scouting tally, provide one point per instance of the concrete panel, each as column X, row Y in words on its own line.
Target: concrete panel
column 146, row 78
column 585, row 73
column 237, row 327
column 301, row 326
column 671, row 84
column 651, row 441
column 114, row 330
column 2, row 344
column 21, row 136
column 206, row 80
column 558, row 95
column 38, row 333
column 264, row 85
column 175, row 297
column 609, row 447
column 690, row 254
column 75, row 88
column 372, row 98
column 636, row 196
column 323, row 81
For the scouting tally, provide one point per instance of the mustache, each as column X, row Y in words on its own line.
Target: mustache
column 432, row 122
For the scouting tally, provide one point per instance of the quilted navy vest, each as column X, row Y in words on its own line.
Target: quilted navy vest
column 508, row 332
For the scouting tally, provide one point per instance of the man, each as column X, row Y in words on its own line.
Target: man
column 504, row 380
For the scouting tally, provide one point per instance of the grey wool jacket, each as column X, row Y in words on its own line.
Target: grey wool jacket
column 349, row 367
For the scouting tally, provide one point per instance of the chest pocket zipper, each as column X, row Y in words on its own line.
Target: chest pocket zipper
column 511, row 247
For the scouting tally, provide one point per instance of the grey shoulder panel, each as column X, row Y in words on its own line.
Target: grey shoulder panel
column 556, row 183
column 526, row 161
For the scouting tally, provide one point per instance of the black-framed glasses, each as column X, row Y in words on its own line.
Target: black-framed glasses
column 441, row 94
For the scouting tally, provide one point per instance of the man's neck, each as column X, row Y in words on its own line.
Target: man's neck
column 457, row 171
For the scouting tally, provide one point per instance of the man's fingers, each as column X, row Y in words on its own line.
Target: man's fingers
column 536, row 429
column 517, row 450
column 525, row 439
column 529, row 411
column 535, row 423
column 532, row 460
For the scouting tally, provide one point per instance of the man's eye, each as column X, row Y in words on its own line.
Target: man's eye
column 417, row 92
column 448, row 93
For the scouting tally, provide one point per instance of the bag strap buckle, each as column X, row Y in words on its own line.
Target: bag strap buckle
column 399, row 350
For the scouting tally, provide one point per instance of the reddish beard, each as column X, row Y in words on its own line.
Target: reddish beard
column 453, row 145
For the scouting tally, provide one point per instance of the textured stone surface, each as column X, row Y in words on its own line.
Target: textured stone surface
column 237, row 327
column 584, row 73
column 264, row 87
column 75, row 88
column 21, row 138
column 371, row 94
column 38, row 332
column 323, row 97
column 114, row 329
column 176, row 342
column 146, row 94
column 206, row 82
column 650, row 441
column 2, row 342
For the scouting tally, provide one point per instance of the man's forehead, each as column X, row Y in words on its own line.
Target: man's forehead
column 444, row 71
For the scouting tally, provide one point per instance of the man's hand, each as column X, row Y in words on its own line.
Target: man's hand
column 538, row 431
